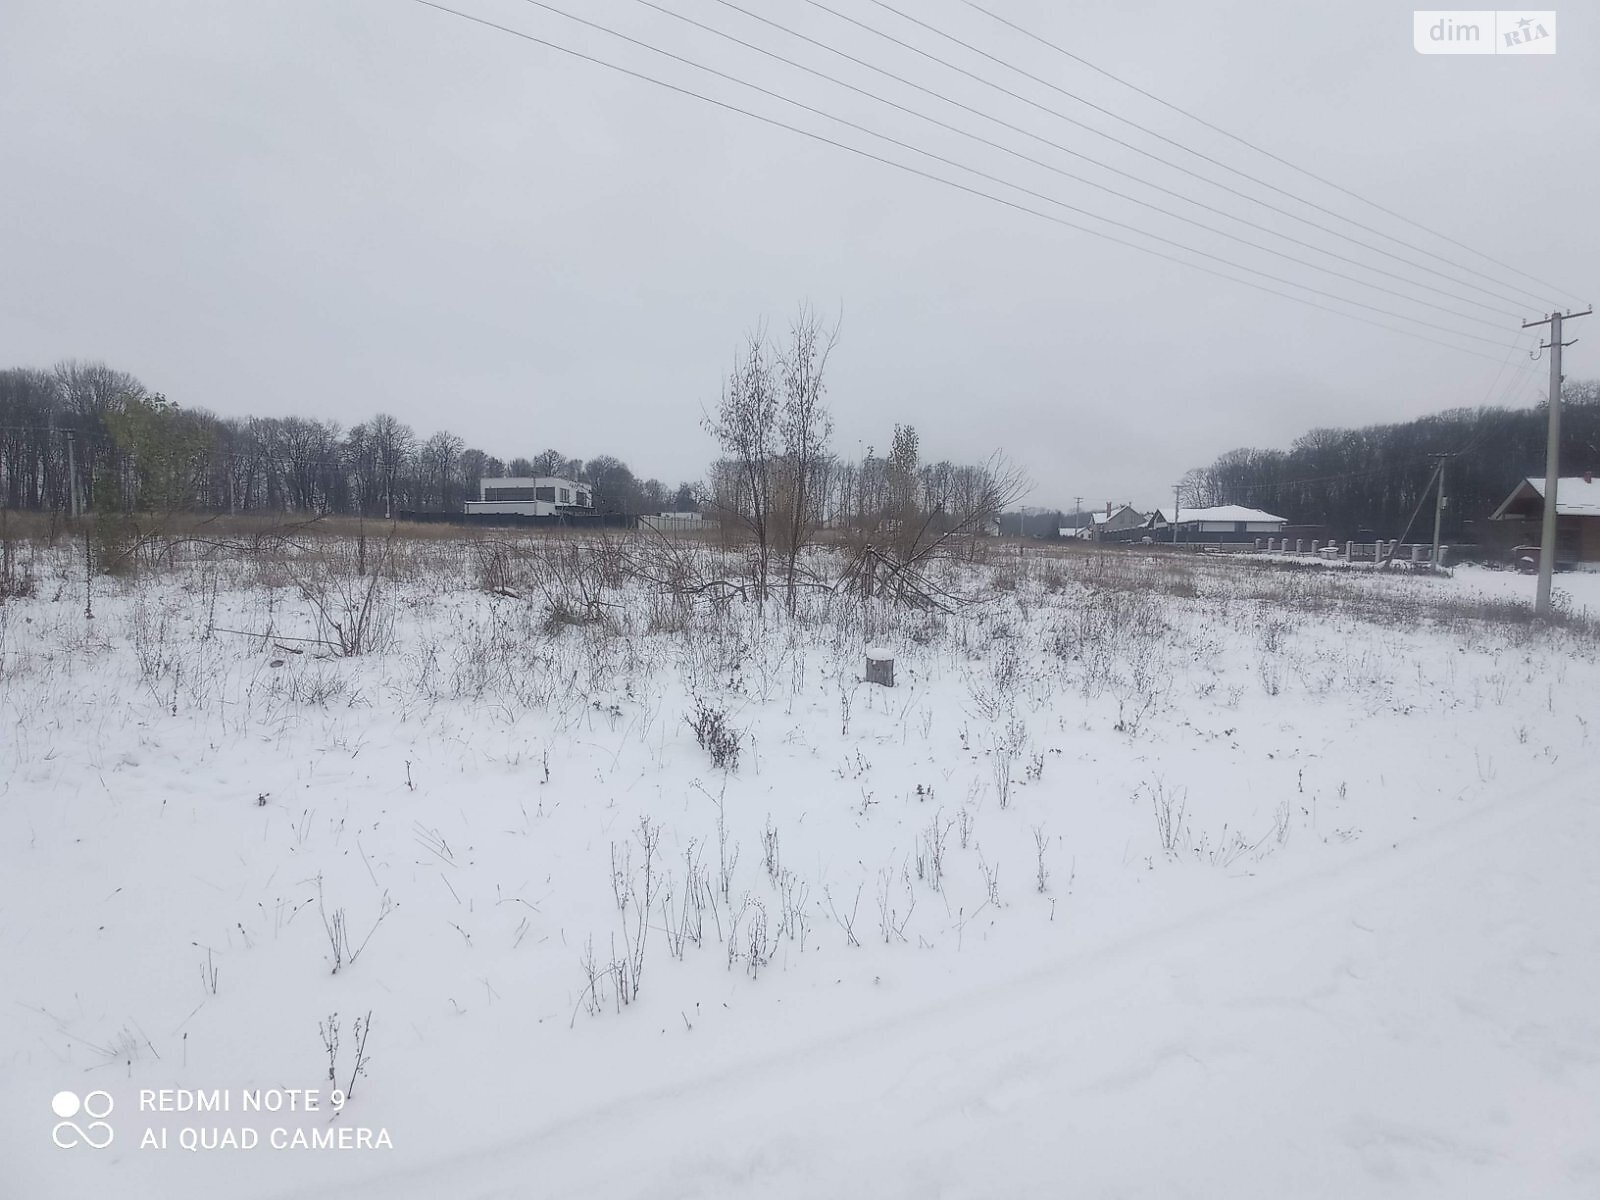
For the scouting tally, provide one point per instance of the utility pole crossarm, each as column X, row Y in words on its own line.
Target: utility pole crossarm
column 1558, row 316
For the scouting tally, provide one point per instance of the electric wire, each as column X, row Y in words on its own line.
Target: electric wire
column 953, row 183
column 721, row 33
column 1141, row 150
column 1389, row 212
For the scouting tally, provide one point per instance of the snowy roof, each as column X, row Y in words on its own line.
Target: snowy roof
column 1575, row 496
column 1223, row 512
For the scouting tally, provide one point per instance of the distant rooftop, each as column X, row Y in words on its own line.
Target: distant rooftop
column 1223, row 512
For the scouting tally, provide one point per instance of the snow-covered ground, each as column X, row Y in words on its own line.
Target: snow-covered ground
column 1150, row 877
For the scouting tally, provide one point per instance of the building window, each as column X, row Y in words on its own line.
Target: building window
column 505, row 495
column 545, row 493
column 566, row 496
column 583, row 499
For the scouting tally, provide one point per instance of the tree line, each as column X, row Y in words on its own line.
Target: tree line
column 125, row 447
column 86, row 437
column 1369, row 481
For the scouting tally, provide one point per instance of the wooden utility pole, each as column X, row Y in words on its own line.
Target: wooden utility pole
column 1175, row 489
column 1552, row 454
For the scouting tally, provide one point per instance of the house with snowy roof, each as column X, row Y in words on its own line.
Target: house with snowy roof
column 1220, row 523
column 1101, row 526
column 1521, row 517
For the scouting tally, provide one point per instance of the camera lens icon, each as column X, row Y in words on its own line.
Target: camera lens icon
column 68, row 1133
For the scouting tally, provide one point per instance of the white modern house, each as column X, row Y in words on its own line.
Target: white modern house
column 531, row 496
column 1224, row 523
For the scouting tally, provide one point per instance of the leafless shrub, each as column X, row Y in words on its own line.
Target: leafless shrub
column 847, row 699
column 313, row 685
column 667, row 614
column 892, row 921
column 573, row 577
column 363, row 1028
column 329, row 1030
column 622, row 875
column 793, row 913
column 1001, row 767
column 683, row 572
column 591, row 999
column 930, row 851
column 769, row 850
column 1229, row 848
column 337, row 928
column 846, row 923
column 1270, row 672
column 352, row 611
column 687, row 923
column 497, row 570
column 716, row 734
column 628, row 971
column 753, row 943
column 1171, row 807
column 991, row 879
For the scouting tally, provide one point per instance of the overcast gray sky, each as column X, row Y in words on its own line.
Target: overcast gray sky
column 334, row 207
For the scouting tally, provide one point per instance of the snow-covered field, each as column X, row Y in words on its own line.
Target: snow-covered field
column 1150, row 877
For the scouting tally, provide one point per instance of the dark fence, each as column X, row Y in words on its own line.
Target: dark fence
column 521, row 521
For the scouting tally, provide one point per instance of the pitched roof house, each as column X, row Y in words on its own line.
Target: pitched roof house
column 1221, row 523
column 1577, row 515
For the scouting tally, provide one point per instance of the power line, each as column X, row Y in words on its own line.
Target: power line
column 724, row 34
column 1078, row 58
column 1141, row 150
column 952, row 163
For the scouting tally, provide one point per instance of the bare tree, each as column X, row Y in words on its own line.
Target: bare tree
column 614, row 487
column 392, row 443
column 550, row 462
column 804, row 426
column 746, row 427
column 437, row 459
